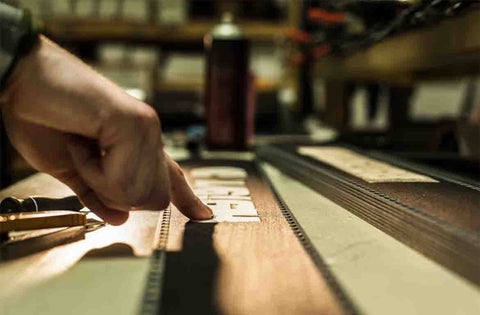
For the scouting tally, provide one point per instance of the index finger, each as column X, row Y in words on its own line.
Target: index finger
column 182, row 195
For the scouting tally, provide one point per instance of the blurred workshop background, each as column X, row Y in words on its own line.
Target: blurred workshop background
column 394, row 75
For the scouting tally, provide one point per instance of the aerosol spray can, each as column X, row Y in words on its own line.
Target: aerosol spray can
column 229, row 95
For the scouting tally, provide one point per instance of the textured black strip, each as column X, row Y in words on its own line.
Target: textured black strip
column 152, row 296
column 348, row 307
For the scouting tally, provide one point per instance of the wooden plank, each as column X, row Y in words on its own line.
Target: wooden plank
column 254, row 268
column 451, row 44
column 93, row 30
column 381, row 275
column 438, row 219
column 242, row 268
column 21, row 277
column 196, row 85
column 140, row 240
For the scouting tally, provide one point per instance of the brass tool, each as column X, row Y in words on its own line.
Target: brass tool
column 26, row 233
column 40, row 220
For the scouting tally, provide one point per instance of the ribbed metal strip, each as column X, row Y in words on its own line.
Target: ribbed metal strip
column 152, row 296
column 345, row 302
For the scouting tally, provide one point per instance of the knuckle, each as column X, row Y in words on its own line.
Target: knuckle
column 139, row 118
column 111, row 125
column 147, row 116
column 179, row 170
column 161, row 145
column 150, row 113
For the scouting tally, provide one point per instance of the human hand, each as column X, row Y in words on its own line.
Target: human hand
column 72, row 123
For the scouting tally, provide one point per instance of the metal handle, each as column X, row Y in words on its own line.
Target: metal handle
column 35, row 204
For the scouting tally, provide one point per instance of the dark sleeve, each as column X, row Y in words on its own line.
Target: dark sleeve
column 15, row 28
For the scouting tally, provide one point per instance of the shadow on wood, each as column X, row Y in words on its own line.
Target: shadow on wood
column 112, row 251
column 190, row 275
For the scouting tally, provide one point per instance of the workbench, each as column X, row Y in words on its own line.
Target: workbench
column 306, row 255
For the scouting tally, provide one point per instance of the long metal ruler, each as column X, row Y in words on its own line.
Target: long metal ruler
column 455, row 248
column 152, row 296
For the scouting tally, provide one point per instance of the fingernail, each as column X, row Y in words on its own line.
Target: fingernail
column 207, row 212
column 210, row 212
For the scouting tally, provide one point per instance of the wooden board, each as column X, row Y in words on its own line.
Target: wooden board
column 95, row 30
column 439, row 219
column 381, row 275
column 28, row 281
column 242, row 268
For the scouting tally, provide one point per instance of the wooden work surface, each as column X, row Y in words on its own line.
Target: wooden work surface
column 238, row 268
column 25, row 283
column 242, row 268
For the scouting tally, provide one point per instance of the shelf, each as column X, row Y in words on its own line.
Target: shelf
column 94, row 30
column 262, row 85
column 450, row 48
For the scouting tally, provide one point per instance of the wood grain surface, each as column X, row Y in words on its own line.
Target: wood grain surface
column 242, row 268
column 379, row 274
column 21, row 277
column 443, row 228
column 235, row 268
